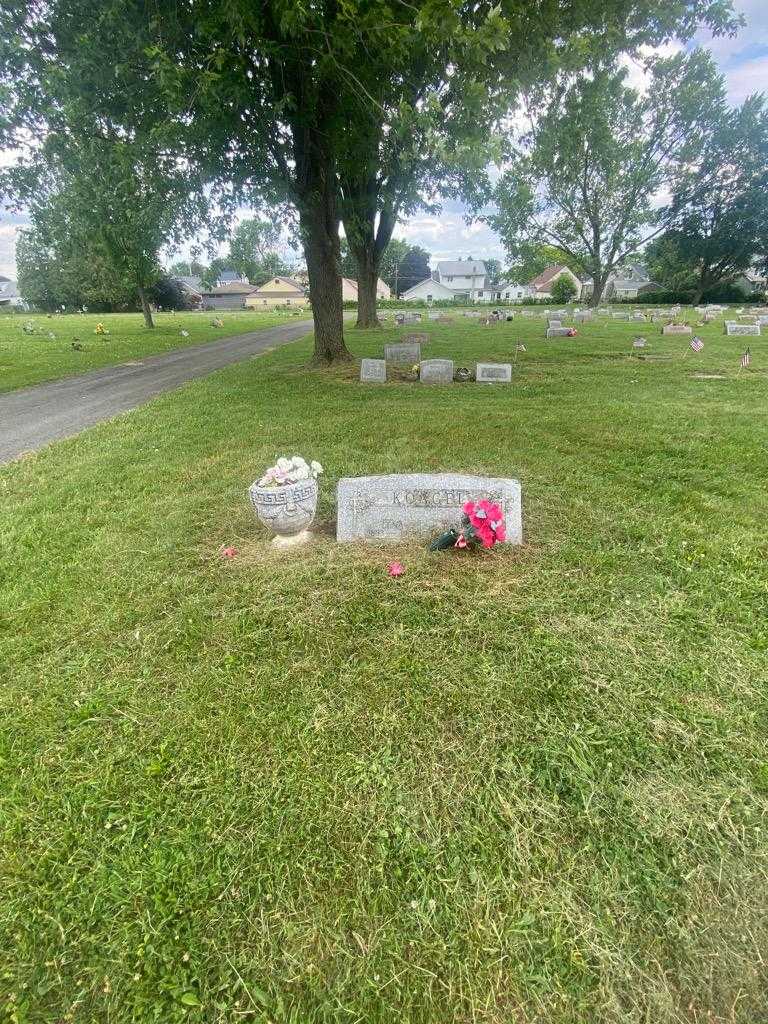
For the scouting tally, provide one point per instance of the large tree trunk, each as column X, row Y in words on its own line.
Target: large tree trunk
column 598, row 287
column 320, row 235
column 146, row 309
column 367, row 283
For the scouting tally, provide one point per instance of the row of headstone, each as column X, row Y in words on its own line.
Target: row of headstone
column 436, row 371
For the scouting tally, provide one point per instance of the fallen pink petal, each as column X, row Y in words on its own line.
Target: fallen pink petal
column 395, row 569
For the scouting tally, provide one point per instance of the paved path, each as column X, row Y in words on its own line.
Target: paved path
column 33, row 417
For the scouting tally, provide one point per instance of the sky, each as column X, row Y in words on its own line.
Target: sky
column 743, row 61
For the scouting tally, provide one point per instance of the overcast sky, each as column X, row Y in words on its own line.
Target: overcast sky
column 743, row 60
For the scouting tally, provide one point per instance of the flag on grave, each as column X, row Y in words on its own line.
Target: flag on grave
column 520, row 347
column 746, row 359
column 696, row 343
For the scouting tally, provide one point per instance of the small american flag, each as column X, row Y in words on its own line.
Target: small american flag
column 697, row 344
column 746, row 359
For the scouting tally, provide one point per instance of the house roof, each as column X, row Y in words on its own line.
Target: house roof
column 509, row 284
column 233, row 288
column 228, row 276
column 8, row 288
column 294, row 286
column 353, row 284
column 461, row 268
column 547, row 276
column 436, row 286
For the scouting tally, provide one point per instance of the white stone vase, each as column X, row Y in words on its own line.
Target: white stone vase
column 287, row 510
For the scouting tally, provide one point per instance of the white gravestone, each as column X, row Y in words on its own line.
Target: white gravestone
column 742, row 329
column 558, row 332
column 402, row 354
column 554, row 323
column 436, row 371
column 372, row 508
column 676, row 329
column 493, row 373
column 373, row 371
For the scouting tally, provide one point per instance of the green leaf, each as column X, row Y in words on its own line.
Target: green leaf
column 190, row 999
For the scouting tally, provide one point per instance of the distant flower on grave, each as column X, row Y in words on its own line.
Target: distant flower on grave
column 229, row 552
column 217, row 322
column 290, row 471
column 28, row 327
column 395, row 569
column 100, row 329
column 482, row 525
column 185, row 334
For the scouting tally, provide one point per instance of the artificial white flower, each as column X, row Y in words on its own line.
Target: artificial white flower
column 283, row 463
column 316, row 468
column 298, row 461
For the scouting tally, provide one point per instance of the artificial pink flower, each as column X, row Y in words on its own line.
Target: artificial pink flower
column 395, row 569
column 485, row 533
column 468, row 508
column 501, row 534
column 229, row 552
column 461, row 541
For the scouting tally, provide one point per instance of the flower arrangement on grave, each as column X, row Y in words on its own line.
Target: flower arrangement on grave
column 285, row 499
column 482, row 525
column 28, row 327
column 100, row 328
column 217, row 322
column 290, row 471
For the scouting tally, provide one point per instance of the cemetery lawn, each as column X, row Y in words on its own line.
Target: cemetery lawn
column 33, row 358
column 526, row 786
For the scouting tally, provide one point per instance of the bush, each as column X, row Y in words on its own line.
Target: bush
column 563, row 290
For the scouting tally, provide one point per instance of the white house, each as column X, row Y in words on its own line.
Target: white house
column 511, row 291
column 349, row 290
column 9, row 294
column 462, row 280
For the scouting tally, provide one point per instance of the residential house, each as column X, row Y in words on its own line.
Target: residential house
column 349, row 290
column 460, row 280
column 511, row 291
column 278, row 291
column 9, row 295
column 231, row 277
column 227, row 296
column 627, row 282
column 541, row 286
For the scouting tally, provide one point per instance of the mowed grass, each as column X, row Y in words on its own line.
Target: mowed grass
column 523, row 786
column 48, row 353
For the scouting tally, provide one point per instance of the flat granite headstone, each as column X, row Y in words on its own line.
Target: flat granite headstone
column 372, row 508
column 415, row 339
column 436, row 371
column 558, row 332
column 676, row 329
column 748, row 329
column 402, row 353
column 373, row 371
column 493, row 373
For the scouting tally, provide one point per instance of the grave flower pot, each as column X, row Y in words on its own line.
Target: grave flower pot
column 287, row 510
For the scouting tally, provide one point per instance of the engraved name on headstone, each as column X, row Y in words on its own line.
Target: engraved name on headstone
column 436, row 371
column 419, row 504
column 493, row 373
column 373, row 371
column 402, row 354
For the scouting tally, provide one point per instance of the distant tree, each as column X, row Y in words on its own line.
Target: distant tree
column 187, row 268
column 412, row 268
column 252, row 250
column 493, row 270
column 669, row 265
column 719, row 209
column 529, row 259
column 598, row 152
column 168, row 293
column 563, row 290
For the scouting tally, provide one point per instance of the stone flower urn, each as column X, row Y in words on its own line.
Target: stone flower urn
column 287, row 510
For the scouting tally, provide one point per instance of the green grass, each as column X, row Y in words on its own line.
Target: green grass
column 32, row 358
column 527, row 786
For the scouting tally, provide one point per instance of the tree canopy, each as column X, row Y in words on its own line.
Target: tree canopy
column 584, row 177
